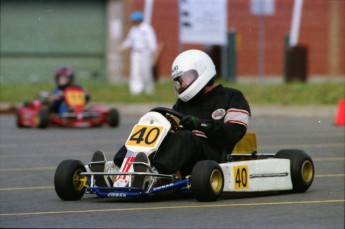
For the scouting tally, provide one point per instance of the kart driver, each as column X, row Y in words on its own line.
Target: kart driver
column 64, row 77
column 215, row 118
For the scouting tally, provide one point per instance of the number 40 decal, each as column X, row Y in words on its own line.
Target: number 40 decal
column 144, row 135
column 241, row 177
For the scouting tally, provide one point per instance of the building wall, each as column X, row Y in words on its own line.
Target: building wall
column 315, row 34
column 38, row 36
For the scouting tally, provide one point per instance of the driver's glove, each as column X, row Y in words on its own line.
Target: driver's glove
column 190, row 122
column 58, row 96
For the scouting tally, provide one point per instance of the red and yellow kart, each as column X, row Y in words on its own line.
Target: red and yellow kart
column 37, row 113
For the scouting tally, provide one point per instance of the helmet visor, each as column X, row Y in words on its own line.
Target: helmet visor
column 182, row 82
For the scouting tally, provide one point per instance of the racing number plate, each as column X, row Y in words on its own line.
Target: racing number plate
column 144, row 135
column 241, row 177
column 75, row 97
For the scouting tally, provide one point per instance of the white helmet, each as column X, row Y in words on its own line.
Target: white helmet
column 191, row 71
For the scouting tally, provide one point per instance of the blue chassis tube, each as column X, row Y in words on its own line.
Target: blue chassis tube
column 180, row 186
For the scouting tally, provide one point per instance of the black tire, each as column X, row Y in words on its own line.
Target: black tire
column 69, row 184
column 43, row 118
column 207, row 181
column 19, row 125
column 301, row 166
column 113, row 118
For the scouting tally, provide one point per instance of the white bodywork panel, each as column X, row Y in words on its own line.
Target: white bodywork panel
column 146, row 136
column 154, row 120
column 257, row 175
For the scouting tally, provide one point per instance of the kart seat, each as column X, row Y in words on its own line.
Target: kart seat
column 247, row 145
column 245, row 148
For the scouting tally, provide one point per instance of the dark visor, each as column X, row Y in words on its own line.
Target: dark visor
column 182, row 82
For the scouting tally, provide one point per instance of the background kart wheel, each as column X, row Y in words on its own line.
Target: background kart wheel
column 69, row 184
column 207, row 181
column 43, row 118
column 113, row 118
column 18, row 119
column 301, row 166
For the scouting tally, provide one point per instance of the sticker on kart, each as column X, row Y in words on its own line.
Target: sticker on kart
column 241, row 177
column 75, row 97
column 144, row 135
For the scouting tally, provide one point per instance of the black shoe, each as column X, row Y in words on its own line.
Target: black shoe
column 98, row 156
column 138, row 180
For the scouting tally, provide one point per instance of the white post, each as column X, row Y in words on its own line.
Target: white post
column 148, row 11
column 295, row 22
column 113, row 58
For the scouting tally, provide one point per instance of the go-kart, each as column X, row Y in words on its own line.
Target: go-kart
column 244, row 170
column 37, row 113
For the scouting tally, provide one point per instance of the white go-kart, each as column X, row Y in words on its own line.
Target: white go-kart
column 243, row 171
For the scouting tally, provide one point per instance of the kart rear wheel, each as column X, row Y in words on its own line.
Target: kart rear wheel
column 113, row 118
column 43, row 118
column 207, row 181
column 69, row 184
column 301, row 166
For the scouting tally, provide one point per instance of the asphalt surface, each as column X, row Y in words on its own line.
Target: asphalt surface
column 29, row 157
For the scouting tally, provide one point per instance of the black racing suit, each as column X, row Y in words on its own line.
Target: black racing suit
column 228, row 112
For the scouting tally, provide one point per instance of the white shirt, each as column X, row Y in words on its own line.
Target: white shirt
column 141, row 38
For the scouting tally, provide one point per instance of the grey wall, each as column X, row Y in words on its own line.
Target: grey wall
column 38, row 36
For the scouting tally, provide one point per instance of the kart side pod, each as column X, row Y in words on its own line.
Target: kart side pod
column 257, row 175
column 246, row 171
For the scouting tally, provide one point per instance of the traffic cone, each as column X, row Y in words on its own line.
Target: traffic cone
column 340, row 119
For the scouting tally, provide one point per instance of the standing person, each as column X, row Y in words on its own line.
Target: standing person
column 215, row 119
column 142, row 41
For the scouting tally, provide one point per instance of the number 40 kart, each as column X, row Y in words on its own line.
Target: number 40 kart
column 244, row 170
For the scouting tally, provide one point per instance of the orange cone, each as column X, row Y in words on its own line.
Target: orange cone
column 340, row 119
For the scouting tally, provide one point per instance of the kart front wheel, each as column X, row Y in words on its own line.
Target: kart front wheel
column 43, row 118
column 301, row 167
column 18, row 119
column 69, row 184
column 207, row 181
column 113, row 118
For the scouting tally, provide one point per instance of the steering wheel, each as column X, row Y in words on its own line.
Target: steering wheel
column 173, row 116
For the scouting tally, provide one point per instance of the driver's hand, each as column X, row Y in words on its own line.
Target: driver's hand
column 58, row 96
column 190, row 122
